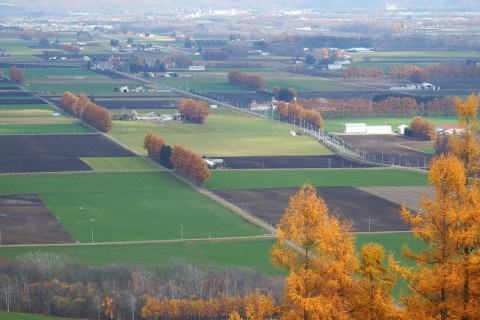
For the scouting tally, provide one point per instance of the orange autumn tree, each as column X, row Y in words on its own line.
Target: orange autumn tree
column 466, row 145
column 373, row 298
column 318, row 250
column 445, row 283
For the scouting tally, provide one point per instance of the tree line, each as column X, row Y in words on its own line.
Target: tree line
column 55, row 285
column 363, row 73
column 386, row 106
column 244, row 80
column 296, row 113
column 421, row 74
column 184, row 161
column 84, row 109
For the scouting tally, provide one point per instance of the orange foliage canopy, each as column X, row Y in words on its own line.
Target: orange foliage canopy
column 82, row 108
column 195, row 111
column 190, row 164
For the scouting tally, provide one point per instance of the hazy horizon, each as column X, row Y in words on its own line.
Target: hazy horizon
column 268, row 5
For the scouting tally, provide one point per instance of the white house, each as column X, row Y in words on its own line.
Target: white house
column 124, row 89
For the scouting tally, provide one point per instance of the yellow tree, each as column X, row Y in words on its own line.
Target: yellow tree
column 466, row 145
column 445, row 281
column 373, row 299
column 319, row 253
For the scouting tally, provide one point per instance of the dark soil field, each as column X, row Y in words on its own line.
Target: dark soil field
column 300, row 162
column 394, row 149
column 54, row 153
column 14, row 101
column 24, row 219
column 362, row 208
column 16, row 94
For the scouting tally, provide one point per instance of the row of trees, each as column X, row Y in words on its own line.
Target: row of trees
column 55, row 285
column 423, row 129
column 189, row 164
column 158, row 150
column 16, row 74
column 195, row 111
column 363, row 73
column 296, row 113
column 391, row 105
column 249, row 81
column 71, row 48
column 84, row 109
column 416, row 73
column 253, row 306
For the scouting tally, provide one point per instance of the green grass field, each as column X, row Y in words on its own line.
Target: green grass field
column 249, row 254
column 259, row 179
column 225, row 133
column 129, row 206
column 24, row 316
column 44, row 128
column 122, row 164
column 82, row 86
column 26, row 113
column 337, row 124
column 46, row 72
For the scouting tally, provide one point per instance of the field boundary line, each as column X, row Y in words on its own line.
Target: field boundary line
column 165, row 241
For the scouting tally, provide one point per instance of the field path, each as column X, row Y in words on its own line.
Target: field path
column 221, row 239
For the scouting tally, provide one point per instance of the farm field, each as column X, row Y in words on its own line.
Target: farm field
column 369, row 210
column 252, row 254
column 129, row 206
column 24, row 316
column 54, row 153
column 225, row 133
column 393, row 149
column 121, row 164
column 259, row 179
column 290, row 162
column 46, row 126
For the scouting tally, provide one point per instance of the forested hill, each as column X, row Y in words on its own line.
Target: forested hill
column 205, row 5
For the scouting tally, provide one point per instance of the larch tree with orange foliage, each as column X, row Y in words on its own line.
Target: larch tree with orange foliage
column 373, row 299
column 445, row 283
column 318, row 250
column 466, row 145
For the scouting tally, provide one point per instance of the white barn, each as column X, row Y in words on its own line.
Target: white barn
column 362, row 128
column 350, row 128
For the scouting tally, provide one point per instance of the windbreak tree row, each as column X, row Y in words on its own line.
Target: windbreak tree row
column 296, row 113
column 386, row 106
column 82, row 108
column 184, row 161
column 249, row 81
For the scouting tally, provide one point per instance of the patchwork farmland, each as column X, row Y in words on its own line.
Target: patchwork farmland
column 102, row 193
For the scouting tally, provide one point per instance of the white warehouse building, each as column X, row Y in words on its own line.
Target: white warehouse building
column 362, row 128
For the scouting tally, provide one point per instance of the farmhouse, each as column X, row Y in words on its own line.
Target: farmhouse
column 255, row 106
column 445, row 129
column 362, row 128
column 124, row 89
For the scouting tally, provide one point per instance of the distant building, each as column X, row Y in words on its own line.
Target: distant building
column 362, row 128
